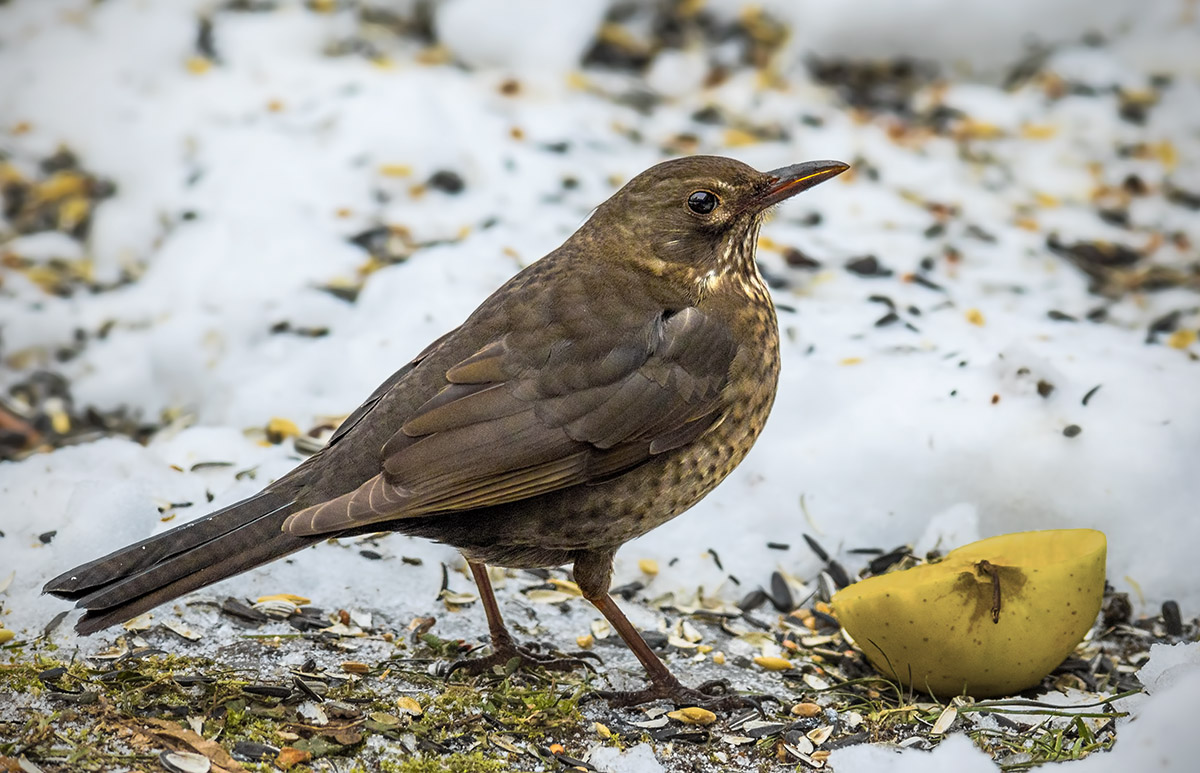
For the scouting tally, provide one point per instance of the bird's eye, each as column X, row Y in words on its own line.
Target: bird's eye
column 703, row 202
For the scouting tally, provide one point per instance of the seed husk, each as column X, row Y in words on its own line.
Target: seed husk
column 185, row 762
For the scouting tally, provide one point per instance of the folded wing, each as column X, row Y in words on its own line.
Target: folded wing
column 504, row 428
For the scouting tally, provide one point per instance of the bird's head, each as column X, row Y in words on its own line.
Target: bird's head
column 699, row 216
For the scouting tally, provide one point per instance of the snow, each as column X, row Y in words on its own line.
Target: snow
column 507, row 40
column 1161, row 737
column 635, row 759
column 1169, row 666
column 974, row 36
column 955, row 755
column 239, row 187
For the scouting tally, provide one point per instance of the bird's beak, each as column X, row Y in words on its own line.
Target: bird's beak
column 790, row 180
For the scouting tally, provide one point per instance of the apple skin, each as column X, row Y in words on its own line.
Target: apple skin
column 937, row 627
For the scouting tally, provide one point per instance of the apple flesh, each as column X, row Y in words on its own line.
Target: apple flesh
column 991, row 618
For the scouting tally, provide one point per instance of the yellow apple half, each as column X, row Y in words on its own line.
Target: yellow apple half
column 991, row 618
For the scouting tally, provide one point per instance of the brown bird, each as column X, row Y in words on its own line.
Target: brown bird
column 600, row 392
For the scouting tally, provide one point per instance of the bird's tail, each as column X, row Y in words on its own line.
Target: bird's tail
column 139, row 577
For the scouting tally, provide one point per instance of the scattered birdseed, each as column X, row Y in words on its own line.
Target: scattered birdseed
column 805, row 710
column 601, row 629
column 652, row 724
column 838, row 574
column 180, row 629
column 291, row 598
column 693, row 715
column 209, row 466
column 868, row 266
column 816, row 548
column 888, row 560
column 183, row 762
column 781, row 594
column 279, row 429
column 944, row 721
column 446, row 181
column 232, row 606
column 542, row 596
column 1172, row 619
column 753, row 600
column 289, row 757
column 408, row 705
column 142, row 622
column 772, row 663
column 761, row 728
column 267, row 690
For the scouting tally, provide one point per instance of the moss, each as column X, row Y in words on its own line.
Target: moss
column 528, row 708
column 474, row 762
column 92, row 715
column 97, row 696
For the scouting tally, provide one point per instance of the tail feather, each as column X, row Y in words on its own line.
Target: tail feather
column 139, row 577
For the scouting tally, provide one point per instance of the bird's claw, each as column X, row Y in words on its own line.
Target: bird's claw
column 714, row 696
column 515, row 658
column 714, row 687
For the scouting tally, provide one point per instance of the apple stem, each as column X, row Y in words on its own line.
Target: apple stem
column 987, row 568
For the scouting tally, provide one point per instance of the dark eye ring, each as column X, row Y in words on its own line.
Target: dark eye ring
column 702, row 202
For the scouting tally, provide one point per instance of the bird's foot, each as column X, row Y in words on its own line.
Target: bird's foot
column 513, row 658
column 714, row 696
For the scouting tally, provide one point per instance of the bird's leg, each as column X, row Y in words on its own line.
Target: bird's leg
column 504, row 649
column 663, row 684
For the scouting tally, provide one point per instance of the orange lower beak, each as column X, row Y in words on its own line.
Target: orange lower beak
column 790, row 180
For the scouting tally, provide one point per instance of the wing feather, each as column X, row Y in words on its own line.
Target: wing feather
column 509, row 426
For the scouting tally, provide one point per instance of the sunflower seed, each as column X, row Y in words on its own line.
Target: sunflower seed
column 185, row 762
column 1172, row 619
column 249, row 751
column 781, row 594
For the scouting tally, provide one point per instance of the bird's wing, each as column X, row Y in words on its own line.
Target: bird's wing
column 506, row 428
column 361, row 411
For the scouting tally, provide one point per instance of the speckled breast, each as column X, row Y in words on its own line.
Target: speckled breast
column 614, row 512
